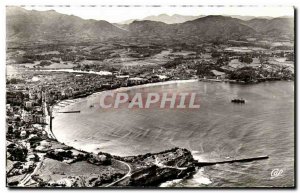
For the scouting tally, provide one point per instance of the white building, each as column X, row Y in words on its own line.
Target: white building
column 28, row 104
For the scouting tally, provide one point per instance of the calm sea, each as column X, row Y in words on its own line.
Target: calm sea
column 219, row 130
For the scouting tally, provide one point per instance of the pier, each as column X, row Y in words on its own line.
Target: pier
column 250, row 159
column 69, row 112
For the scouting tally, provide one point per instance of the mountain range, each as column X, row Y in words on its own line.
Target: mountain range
column 206, row 28
column 176, row 18
column 168, row 19
column 22, row 24
column 26, row 25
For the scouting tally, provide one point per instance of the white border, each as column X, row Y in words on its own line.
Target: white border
column 3, row 3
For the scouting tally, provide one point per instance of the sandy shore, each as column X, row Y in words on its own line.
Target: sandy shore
column 61, row 105
column 64, row 103
column 155, row 84
column 103, row 73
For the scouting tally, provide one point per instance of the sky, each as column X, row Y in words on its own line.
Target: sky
column 117, row 14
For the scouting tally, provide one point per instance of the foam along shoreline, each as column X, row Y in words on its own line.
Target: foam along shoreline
column 198, row 179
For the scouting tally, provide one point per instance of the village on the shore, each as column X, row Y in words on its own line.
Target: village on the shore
column 41, row 75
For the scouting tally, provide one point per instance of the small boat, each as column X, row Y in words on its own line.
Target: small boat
column 242, row 101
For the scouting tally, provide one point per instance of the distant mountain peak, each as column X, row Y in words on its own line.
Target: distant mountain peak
column 165, row 18
column 29, row 25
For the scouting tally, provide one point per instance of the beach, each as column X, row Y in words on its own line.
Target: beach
column 204, row 132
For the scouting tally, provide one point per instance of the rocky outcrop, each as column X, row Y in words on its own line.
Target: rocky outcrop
column 154, row 175
column 154, row 169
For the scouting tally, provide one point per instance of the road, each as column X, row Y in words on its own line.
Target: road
column 26, row 179
column 125, row 176
column 157, row 163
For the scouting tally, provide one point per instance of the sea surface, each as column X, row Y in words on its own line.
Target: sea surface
column 218, row 130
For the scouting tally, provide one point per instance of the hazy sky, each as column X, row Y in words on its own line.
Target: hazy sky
column 118, row 14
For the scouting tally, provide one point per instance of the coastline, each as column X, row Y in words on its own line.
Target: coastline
column 205, row 99
column 198, row 177
column 172, row 173
column 65, row 103
column 195, row 177
column 77, row 71
column 59, row 106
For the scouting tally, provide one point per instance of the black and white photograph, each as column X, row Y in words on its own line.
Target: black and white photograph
column 150, row 96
